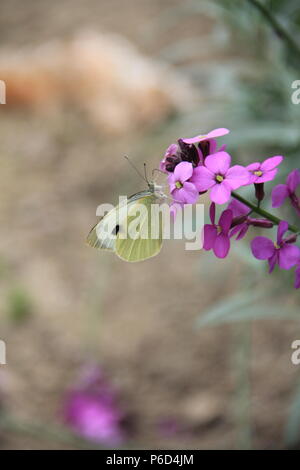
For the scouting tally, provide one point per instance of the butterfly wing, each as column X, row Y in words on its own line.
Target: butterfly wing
column 139, row 248
column 103, row 235
column 103, row 242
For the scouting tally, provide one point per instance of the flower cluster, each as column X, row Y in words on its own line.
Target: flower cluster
column 196, row 165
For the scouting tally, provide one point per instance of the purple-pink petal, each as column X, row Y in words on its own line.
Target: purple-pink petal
column 218, row 163
column 196, row 139
column 221, row 246
column 293, row 180
column 271, row 163
column 93, row 418
column 243, row 231
column 212, row 212
column 225, row 221
column 177, row 196
column 282, row 228
column 162, row 166
column 251, row 168
column 220, row 193
column 272, row 261
column 183, row 171
column 279, row 193
column 237, row 176
column 238, row 208
column 201, row 156
column 171, row 180
column 202, row 178
column 213, row 146
column 262, row 248
column 190, row 192
column 218, row 133
column 236, row 230
column 288, row 256
column 210, row 235
column 267, row 176
column 212, row 134
column 171, row 150
column 252, row 178
column 255, row 166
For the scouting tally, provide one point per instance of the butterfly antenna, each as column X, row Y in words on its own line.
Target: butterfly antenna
column 135, row 168
column 158, row 170
column 145, row 173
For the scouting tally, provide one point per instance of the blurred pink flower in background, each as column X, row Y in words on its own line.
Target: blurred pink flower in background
column 91, row 410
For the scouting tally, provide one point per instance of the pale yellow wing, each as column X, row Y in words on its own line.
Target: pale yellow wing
column 139, row 248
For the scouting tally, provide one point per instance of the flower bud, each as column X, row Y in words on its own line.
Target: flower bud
column 259, row 191
column 260, row 223
column 291, row 239
column 239, row 220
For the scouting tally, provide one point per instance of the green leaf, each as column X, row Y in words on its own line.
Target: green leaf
column 249, row 305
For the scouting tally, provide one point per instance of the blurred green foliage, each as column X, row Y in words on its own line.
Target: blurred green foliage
column 19, row 304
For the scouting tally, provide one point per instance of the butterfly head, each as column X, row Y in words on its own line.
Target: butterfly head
column 156, row 189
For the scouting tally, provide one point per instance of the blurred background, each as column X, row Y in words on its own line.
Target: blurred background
column 183, row 350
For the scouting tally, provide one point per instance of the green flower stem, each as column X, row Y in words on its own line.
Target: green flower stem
column 262, row 212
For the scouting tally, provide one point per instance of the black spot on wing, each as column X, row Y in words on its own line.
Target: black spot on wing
column 116, row 230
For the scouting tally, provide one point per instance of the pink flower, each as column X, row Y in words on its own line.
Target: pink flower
column 216, row 237
column 282, row 191
column 91, row 411
column 281, row 252
column 217, row 176
column 181, row 189
column 265, row 171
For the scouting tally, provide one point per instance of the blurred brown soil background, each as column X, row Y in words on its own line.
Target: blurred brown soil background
column 59, row 160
